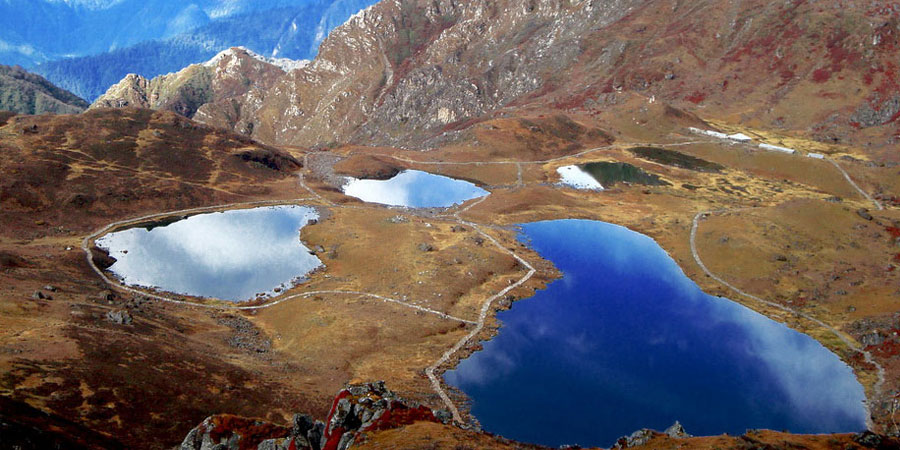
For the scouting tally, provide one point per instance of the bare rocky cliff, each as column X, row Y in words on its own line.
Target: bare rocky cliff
column 231, row 74
column 412, row 73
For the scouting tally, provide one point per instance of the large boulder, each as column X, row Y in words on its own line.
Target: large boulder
column 356, row 409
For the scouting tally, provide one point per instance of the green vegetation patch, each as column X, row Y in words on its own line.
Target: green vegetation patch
column 676, row 159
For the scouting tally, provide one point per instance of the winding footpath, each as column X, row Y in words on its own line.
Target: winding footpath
column 433, row 371
column 87, row 242
column 879, row 384
column 865, row 194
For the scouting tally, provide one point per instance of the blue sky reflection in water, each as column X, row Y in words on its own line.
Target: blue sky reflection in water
column 230, row 255
column 414, row 188
column 625, row 341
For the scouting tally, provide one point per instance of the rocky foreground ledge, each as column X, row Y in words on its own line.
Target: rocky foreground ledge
column 371, row 407
column 356, row 409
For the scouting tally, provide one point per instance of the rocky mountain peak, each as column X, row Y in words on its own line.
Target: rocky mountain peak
column 416, row 73
column 236, row 55
column 231, row 73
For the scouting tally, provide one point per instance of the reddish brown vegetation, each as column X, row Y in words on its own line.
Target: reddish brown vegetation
column 696, row 98
column 251, row 432
column 821, row 75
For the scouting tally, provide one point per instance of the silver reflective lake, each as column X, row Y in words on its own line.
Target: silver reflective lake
column 415, row 189
column 231, row 255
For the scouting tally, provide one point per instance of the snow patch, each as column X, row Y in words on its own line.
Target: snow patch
column 573, row 176
column 284, row 64
column 740, row 137
column 777, row 148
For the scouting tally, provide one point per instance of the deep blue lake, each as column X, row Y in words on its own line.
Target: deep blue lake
column 232, row 255
column 624, row 340
column 415, row 189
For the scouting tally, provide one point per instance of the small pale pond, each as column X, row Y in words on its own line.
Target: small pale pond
column 415, row 189
column 232, row 255
column 624, row 340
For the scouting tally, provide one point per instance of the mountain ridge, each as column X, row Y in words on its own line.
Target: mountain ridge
column 371, row 83
column 27, row 93
column 285, row 32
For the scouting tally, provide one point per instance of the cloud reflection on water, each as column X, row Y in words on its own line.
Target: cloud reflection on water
column 631, row 333
column 415, row 189
column 230, row 255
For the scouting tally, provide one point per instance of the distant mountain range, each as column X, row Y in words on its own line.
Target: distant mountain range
column 85, row 46
column 26, row 93
column 416, row 72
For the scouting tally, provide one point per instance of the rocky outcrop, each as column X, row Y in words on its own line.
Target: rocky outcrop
column 230, row 74
column 120, row 316
column 356, row 409
column 403, row 71
column 414, row 73
column 645, row 435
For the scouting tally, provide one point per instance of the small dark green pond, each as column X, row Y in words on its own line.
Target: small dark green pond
column 611, row 173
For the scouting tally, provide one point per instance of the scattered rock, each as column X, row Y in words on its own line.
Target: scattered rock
column 873, row 338
column 478, row 240
column 443, row 415
column 864, row 213
column 50, row 288
column 457, row 229
column 106, row 296
column 399, row 219
column 357, row 408
column 80, row 200
column 306, row 431
column 677, row 431
column 225, row 431
column 38, row 295
column 246, row 335
column 121, row 317
column 9, row 260
column 834, row 199
column 425, row 247
column 868, row 439
column 877, row 112
column 645, row 435
column 638, row 438
column 101, row 258
column 312, row 222
column 781, row 258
